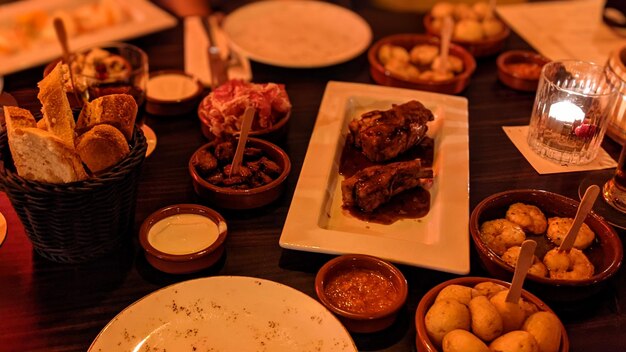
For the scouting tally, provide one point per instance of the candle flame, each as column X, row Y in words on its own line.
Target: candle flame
column 566, row 111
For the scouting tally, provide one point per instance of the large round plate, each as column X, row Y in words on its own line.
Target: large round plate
column 225, row 313
column 298, row 34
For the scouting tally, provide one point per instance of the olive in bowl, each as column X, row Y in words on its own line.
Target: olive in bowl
column 363, row 291
column 413, row 61
column 475, row 27
column 183, row 238
column 545, row 217
column 520, row 69
column 260, row 181
column 471, row 314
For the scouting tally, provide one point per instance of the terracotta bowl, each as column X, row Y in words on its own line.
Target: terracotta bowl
column 520, row 69
column 172, row 106
column 480, row 48
column 157, row 253
column 229, row 198
column 275, row 134
column 423, row 341
column 605, row 253
column 450, row 86
column 362, row 321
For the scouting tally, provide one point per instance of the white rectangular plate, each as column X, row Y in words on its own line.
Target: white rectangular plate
column 316, row 221
column 145, row 18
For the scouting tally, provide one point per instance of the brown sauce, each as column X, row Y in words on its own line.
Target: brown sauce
column 361, row 291
column 410, row 204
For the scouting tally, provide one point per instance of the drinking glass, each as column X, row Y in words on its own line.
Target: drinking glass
column 614, row 191
column 92, row 81
column 571, row 111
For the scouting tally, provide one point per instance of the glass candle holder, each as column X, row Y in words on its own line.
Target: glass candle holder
column 571, row 111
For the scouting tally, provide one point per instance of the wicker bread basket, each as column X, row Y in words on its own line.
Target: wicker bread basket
column 80, row 221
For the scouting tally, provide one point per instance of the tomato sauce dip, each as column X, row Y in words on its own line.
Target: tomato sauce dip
column 527, row 70
column 360, row 290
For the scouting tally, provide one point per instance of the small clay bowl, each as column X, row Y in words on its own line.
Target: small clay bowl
column 605, row 253
column 423, row 341
column 453, row 85
column 165, row 252
column 363, row 321
column 520, row 69
column 479, row 48
column 229, row 198
column 172, row 92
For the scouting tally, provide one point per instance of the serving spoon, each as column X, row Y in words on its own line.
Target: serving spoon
column 246, row 124
column 583, row 209
column 446, row 37
column 59, row 28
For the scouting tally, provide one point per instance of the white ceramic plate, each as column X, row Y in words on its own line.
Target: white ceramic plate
column 299, row 34
column 3, row 229
column 145, row 18
column 316, row 222
column 225, row 313
column 151, row 139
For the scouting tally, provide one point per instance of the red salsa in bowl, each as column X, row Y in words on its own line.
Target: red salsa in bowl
column 363, row 291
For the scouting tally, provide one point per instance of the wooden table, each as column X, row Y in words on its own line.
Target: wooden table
column 46, row 306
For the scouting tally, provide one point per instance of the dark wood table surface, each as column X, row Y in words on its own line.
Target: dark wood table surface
column 45, row 306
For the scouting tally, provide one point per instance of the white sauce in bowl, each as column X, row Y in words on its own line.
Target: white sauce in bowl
column 183, row 233
column 171, row 86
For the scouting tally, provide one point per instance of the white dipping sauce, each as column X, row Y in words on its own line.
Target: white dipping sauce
column 171, row 86
column 183, row 233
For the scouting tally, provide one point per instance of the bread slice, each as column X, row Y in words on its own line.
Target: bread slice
column 102, row 147
column 55, row 106
column 17, row 118
column 41, row 156
column 118, row 110
column 42, row 124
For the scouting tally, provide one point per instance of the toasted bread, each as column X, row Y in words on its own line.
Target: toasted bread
column 17, row 118
column 102, row 147
column 55, row 106
column 118, row 110
column 41, row 156
column 42, row 124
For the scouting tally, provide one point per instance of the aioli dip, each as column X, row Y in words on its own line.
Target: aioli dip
column 183, row 233
column 171, row 86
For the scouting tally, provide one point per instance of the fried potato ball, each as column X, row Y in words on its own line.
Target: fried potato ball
column 468, row 30
column 444, row 316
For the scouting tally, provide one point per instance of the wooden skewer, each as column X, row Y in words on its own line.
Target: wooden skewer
column 492, row 9
column 583, row 209
column 61, row 33
column 246, row 124
column 524, row 261
column 446, row 37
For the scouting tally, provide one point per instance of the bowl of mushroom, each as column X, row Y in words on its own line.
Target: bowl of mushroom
column 414, row 61
column 476, row 27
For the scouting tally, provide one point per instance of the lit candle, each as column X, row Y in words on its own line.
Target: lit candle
column 566, row 112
